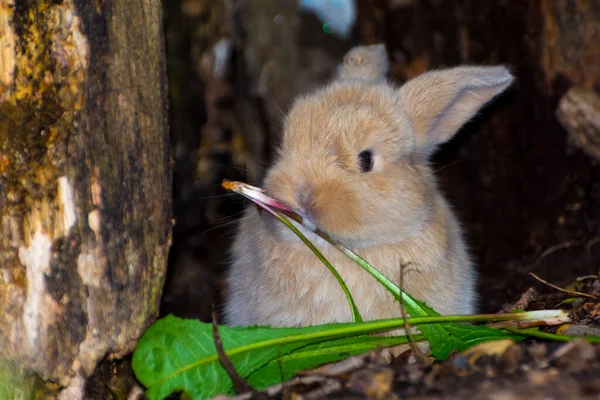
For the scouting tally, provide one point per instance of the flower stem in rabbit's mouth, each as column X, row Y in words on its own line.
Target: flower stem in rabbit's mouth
column 260, row 198
column 255, row 194
column 275, row 207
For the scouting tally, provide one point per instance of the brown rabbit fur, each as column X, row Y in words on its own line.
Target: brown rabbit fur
column 391, row 215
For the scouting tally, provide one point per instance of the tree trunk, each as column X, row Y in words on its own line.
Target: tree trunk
column 85, row 181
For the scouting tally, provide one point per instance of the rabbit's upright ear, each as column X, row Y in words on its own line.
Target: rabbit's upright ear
column 368, row 63
column 438, row 103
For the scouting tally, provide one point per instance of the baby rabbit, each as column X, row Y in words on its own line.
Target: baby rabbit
column 354, row 163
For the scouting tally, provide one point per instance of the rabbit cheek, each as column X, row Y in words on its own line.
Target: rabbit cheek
column 395, row 206
column 335, row 209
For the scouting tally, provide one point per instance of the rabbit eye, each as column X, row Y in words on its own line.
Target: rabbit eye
column 365, row 160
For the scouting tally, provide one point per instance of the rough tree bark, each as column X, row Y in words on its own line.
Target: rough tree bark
column 85, row 182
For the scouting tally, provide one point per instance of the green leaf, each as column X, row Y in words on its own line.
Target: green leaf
column 444, row 338
column 176, row 354
column 287, row 366
column 570, row 300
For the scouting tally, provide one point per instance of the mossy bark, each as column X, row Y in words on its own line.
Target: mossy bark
column 85, row 181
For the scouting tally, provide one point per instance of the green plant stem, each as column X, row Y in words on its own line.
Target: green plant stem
column 550, row 336
column 355, row 314
column 392, row 341
column 391, row 287
column 385, row 325
column 362, row 328
column 398, row 293
column 388, row 284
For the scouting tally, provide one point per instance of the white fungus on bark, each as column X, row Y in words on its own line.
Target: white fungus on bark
column 67, row 198
column 36, row 259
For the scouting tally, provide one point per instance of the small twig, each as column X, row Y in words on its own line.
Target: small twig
column 326, row 388
column 591, row 243
column 569, row 292
column 239, row 384
column 553, row 249
column 308, row 380
column 419, row 355
column 516, row 324
column 526, row 298
column 551, row 336
column 586, row 277
column 339, row 367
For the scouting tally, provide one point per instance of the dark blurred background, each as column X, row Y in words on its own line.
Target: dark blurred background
column 524, row 178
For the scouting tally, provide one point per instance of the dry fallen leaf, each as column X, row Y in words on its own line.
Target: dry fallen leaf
column 373, row 383
column 491, row 348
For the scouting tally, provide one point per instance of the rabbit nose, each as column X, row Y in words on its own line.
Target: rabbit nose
column 305, row 198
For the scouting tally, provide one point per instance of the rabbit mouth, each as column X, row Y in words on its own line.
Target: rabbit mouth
column 307, row 221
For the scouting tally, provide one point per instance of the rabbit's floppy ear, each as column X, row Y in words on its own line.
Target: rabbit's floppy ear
column 368, row 63
column 438, row 103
